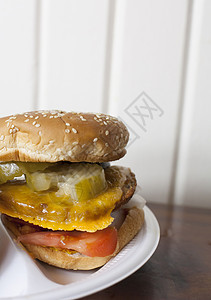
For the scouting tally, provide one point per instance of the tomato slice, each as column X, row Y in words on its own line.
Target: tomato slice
column 100, row 243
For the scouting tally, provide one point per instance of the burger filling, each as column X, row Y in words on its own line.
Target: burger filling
column 100, row 243
column 81, row 181
column 71, row 204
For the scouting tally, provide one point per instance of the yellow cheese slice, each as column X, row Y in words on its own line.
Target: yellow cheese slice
column 55, row 212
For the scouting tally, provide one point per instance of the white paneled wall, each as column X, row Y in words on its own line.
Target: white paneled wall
column 73, row 53
column 148, row 57
column 118, row 56
column 193, row 181
column 18, row 61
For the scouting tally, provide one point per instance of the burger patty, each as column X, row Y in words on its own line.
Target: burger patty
column 128, row 185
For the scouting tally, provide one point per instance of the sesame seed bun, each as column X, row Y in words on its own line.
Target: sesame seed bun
column 133, row 222
column 51, row 136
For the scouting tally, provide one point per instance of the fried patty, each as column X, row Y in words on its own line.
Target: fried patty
column 123, row 178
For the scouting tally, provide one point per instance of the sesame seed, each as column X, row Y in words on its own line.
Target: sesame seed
column 106, row 144
column 44, row 116
column 26, row 115
column 31, row 117
column 67, row 130
column 69, row 153
column 95, row 140
column 40, row 133
column 61, row 114
column 51, row 117
column 105, row 122
column 106, row 132
column 10, row 131
column 27, row 120
column 74, row 130
column 37, row 117
column 37, row 125
column 34, row 123
column 75, row 143
column 67, row 124
column 82, row 118
column 2, row 137
column 12, row 126
column 51, row 142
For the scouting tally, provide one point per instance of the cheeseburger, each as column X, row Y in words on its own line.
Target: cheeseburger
column 58, row 190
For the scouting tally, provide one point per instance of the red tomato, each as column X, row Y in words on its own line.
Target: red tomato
column 100, row 243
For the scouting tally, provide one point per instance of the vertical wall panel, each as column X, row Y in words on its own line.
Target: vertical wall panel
column 17, row 55
column 148, row 56
column 194, row 163
column 73, row 54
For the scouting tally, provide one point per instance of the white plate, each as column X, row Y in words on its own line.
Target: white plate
column 22, row 278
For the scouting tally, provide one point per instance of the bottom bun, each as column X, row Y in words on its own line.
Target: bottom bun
column 133, row 222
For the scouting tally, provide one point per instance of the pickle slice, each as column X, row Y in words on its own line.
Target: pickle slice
column 35, row 179
column 86, row 182
column 30, row 167
column 89, row 187
column 38, row 181
column 80, row 181
column 8, row 171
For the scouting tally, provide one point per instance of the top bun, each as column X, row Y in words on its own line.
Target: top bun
column 51, row 136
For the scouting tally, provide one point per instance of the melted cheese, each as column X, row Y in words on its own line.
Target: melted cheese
column 58, row 212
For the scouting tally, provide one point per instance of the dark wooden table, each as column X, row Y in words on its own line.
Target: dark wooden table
column 181, row 266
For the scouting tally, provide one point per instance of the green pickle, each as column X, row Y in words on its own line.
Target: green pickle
column 38, row 181
column 80, row 181
column 8, row 171
column 30, row 167
column 88, row 188
column 83, row 181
